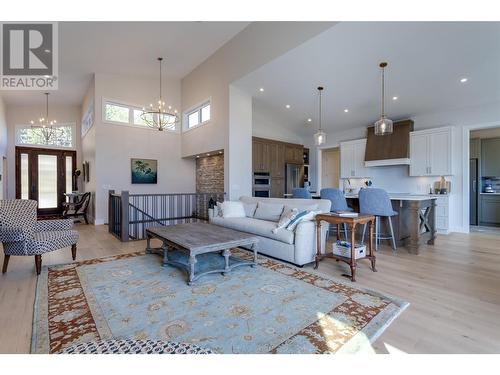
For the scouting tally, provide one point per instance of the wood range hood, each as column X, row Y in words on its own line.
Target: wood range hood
column 391, row 149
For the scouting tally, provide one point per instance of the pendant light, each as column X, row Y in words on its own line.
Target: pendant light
column 160, row 117
column 320, row 135
column 47, row 128
column 384, row 125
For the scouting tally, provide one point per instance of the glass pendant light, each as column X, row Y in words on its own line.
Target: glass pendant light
column 384, row 125
column 320, row 135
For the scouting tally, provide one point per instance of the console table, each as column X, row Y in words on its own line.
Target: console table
column 352, row 223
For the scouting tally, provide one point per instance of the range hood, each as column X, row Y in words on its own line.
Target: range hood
column 391, row 149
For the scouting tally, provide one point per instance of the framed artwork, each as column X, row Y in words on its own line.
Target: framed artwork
column 87, row 119
column 144, row 171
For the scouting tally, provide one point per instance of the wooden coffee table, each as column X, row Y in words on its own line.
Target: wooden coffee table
column 201, row 238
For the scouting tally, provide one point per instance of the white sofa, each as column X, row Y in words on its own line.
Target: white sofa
column 298, row 246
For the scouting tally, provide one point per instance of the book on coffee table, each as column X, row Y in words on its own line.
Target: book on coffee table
column 346, row 213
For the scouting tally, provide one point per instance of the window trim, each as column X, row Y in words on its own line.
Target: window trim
column 131, row 107
column 17, row 142
column 196, row 108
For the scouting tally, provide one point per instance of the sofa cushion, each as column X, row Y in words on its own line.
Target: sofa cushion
column 268, row 211
column 233, row 209
column 302, row 207
column 250, row 209
column 258, row 227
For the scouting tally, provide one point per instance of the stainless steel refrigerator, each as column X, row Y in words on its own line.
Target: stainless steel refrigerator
column 294, row 176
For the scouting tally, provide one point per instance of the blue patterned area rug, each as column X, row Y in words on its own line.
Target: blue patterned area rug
column 271, row 308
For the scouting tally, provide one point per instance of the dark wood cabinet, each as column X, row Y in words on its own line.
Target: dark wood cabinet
column 277, row 187
column 271, row 156
column 294, row 154
column 260, row 156
column 277, row 160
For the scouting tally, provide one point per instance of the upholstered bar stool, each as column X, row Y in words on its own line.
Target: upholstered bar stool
column 373, row 201
column 339, row 202
column 302, row 193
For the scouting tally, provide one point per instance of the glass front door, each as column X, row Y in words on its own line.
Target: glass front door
column 44, row 175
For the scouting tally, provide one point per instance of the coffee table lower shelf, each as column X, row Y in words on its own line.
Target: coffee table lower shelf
column 232, row 263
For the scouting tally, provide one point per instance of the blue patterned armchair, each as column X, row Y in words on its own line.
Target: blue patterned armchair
column 22, row 234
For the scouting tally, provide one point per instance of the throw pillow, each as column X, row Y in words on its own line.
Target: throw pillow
column 287, row 216
column 268, row 211
column 301, row 216
column 250, row 209
column 232, row 209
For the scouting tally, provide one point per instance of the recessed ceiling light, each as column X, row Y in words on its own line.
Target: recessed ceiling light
column 346, row 110
column 220, row 152
column 463, row 80
column 47, row 51
column 208, row 154
column 394, row 98
column 197, row 156
column 287, row 106
column 261, row 89
column 309, row 119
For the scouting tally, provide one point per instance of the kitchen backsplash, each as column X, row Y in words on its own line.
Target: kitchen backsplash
column 394, row 179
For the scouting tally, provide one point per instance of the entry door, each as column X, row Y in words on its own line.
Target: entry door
column 45, row 175
column 331, row 168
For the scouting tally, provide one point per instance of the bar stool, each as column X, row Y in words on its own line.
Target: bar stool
column 376, row 202
column 339, row 202
column 301, row 193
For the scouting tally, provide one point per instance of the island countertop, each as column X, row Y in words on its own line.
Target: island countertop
column 403, row 197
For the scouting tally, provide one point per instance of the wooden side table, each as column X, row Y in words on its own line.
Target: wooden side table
column 351, row 222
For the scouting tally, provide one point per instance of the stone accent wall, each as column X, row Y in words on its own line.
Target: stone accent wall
column 210, row 174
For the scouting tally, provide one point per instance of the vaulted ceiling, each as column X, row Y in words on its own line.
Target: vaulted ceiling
column 127, row 48
column 426, row 60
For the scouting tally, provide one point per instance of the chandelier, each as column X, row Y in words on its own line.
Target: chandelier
column 384, row 125
column 158, row 116
column 320, row 135
column 46, row 128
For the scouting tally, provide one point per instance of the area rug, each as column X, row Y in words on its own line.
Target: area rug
column 271, row 308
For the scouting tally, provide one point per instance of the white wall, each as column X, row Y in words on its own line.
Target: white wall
column 396, row 178
column 240, row 142
column 22, row 115
column 115, row 145
column 255, row 46
column 3, row 145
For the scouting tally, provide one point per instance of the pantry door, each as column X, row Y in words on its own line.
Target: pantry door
column 45, row 175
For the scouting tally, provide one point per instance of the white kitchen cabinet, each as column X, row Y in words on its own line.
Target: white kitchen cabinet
column 352, row 159
column 431, row 152
column 443, row 214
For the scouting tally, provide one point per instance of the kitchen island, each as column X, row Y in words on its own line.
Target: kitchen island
column 415, row 222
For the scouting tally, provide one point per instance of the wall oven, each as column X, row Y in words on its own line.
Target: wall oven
column 261, row 184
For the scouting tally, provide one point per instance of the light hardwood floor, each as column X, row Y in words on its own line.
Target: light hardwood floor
column 453, row 289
